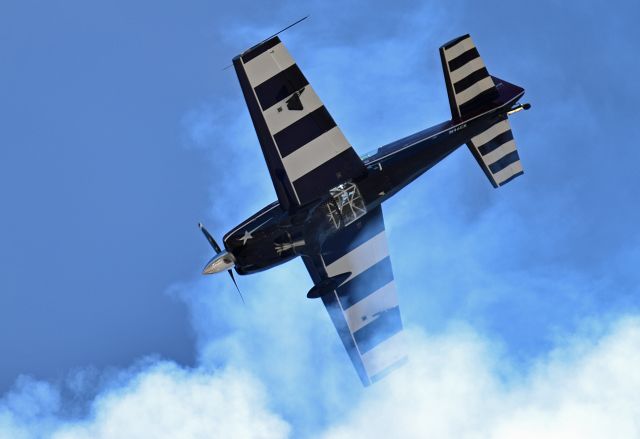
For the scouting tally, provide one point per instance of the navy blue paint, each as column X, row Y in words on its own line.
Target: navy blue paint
column 384, row 326
column 463, row 58
column 352, row 236
column 304, row 131
column 468, row 81
column 479, row 103
column 316, row 183
column 496, row 142
column 278, row 87
column 517, row 174
column 454, row 41
column 505, row 161
column 259, row 49
column 366, row 283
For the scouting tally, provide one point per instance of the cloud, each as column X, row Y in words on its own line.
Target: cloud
column 458, row 384
column 161, row 401
column 171, row 402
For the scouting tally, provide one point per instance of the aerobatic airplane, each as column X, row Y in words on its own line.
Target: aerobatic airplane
column 329, row 199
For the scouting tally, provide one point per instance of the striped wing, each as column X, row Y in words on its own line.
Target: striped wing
column 496, row 153
column 305, row 150
column 364, row 309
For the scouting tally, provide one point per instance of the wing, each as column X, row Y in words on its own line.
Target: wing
column 364, row 309
column 305, row 151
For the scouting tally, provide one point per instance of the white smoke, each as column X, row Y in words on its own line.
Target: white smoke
column 162, row 401
column 456, row 385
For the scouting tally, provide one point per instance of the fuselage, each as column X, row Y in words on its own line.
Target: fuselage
column 273, row 236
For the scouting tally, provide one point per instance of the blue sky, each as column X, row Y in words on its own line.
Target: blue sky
column 120, row 131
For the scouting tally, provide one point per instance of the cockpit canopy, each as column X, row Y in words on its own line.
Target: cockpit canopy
column 346, row 205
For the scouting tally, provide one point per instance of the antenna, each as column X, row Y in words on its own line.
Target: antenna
column 282, row 30
column 268, row 38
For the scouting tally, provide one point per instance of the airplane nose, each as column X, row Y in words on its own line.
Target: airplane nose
column 220, row 262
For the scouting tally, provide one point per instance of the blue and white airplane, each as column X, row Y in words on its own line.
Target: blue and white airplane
column 329, row 207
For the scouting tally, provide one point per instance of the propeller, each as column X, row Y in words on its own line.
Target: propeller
column 217, row 249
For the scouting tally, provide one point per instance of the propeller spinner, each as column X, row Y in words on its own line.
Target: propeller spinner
column 223, row 260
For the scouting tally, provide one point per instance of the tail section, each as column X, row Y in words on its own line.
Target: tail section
column 469, row 85
column 472, row 91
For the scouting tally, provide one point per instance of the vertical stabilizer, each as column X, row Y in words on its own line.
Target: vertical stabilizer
column 470, row 87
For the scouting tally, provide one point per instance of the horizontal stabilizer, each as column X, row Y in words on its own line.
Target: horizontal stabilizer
column 495, row 151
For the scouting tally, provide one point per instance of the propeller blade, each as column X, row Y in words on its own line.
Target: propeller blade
column 217, row 249
column 236, row 284
column 212, row 241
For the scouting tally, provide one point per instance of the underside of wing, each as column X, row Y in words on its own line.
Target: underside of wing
column 364, row 308
column 305, row 150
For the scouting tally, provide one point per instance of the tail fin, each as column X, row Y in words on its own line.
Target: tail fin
column 472, row 91
column 469, row 85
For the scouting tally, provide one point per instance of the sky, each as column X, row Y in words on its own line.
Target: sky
column 120, row 130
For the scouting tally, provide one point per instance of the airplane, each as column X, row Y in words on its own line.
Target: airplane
column 329, row 206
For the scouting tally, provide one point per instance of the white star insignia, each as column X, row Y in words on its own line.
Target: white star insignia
column 247, row 236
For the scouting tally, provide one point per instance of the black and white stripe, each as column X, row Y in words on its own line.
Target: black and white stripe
column 367, row 299
column 468, row 81
column 311, row 148
column 497, row 150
